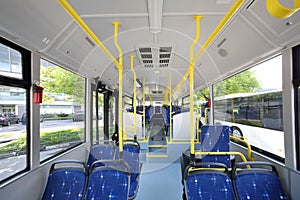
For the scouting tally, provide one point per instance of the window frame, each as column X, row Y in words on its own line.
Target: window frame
column 296, row 83
column 24, row 83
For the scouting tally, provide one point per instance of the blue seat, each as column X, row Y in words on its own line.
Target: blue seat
column 101, row 152
column 259, row 182
column 131, row 152
column 108, row 180
column 215, row 139
column 208, row 183
column 67, row 180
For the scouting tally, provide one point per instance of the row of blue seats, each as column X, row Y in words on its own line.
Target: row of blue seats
column 206, row 181
column 248, row 180
column 71, row 180
column 175, row 110
column 149, row 111
column 105, row 161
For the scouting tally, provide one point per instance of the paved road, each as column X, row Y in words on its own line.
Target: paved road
column 14, row 131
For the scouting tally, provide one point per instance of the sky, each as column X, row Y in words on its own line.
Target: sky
column 269, row 73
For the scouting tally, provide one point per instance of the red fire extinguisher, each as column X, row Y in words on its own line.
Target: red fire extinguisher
column 37, row 94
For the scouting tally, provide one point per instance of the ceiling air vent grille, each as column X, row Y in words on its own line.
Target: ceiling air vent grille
column 157, row 92
column 155, row 56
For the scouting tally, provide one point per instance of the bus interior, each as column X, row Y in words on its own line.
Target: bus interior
column 149, row 99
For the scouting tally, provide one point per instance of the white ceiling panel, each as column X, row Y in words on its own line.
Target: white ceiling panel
column 237, row 44
column 31, row 21
column 109, row 6
column 280, row 31
column 197, row 6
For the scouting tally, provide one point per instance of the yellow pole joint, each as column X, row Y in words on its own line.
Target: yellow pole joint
column 276, row 9
column 134, row 95
column 116, row 32
column 197, row 18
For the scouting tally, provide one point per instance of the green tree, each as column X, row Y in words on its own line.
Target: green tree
column 57, row 80
column 243, row 82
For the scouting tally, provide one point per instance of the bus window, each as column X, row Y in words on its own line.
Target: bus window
column 63, row 110
column 14, row 101
column 252, row 101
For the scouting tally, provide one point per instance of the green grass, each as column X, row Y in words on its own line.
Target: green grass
column 47, row 139
column 6, row 135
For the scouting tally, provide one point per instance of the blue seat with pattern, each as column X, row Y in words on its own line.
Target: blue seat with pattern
column 208, row 183
column 101, row 152
column 131, row 154
column 108, row 180
column 260, row 181
column 67, row 180
column 215, row 139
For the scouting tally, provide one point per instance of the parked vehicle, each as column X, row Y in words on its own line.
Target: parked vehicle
column 23, row 119
column 13, row 118
column 8, row 118
column 4, row 121
column 78, row 116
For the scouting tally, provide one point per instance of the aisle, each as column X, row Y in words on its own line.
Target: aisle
column 160, row 184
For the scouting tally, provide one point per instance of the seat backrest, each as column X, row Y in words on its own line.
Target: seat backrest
column 109, row 181
column 131, row 157
column 215, row 139
column 101, row 152
column 208, row 183
column 67, row 181
column 257, row 182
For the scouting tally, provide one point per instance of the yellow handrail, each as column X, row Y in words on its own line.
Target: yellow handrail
column 65, row 4
column 120, row 67
column 237, row 4
column 134, row 95
column 275, row 8
column 222, row 154
column 191, row 72
column 247, row 144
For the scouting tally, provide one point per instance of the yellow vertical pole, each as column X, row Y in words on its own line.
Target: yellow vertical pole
column 191, row 72
column 171, row 118
column 134, row 96
column 120, row 67
column 144, row 108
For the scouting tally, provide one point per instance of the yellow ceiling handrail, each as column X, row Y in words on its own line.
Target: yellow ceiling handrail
column 65, row 4
column 237, row 4
column 275, row 8
column 134, row 95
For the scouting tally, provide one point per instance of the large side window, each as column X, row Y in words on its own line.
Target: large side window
column 14, row 101
column 62, row 111
column 252, row 101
